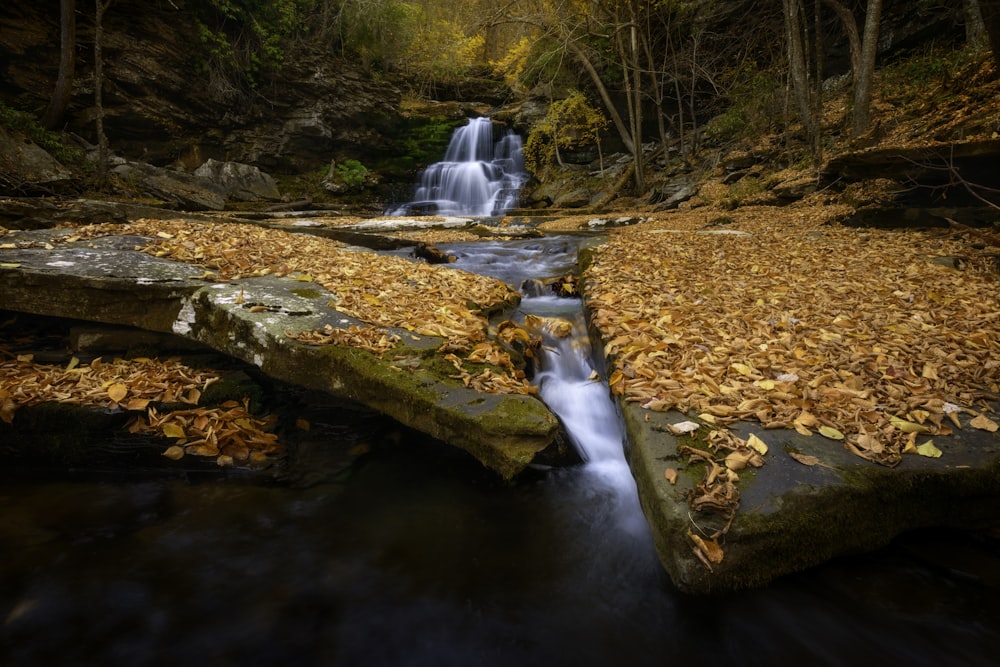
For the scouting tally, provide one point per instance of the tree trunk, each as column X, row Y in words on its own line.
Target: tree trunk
column 53, row 117
column 102, row 138
column 975, row 29
column 602, row 90
column 991, row 18
column 798, row 65
column 851, row 30
column 869, row 50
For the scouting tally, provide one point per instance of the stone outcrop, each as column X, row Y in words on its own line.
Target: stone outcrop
column 106, row 280
column 163, row 107
column 27, row 168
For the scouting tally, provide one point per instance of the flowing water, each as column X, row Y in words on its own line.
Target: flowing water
column 479, row 176
column 415, row 555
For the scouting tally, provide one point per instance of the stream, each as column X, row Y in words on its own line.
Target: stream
column 417, row 555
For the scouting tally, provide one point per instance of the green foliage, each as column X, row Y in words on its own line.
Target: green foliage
column 378, row 32
column 754, row 103
column 351, row 173
column 914, row 76
column 569, row 123
column 424, row 140
column 244, row 38
column 51, row 142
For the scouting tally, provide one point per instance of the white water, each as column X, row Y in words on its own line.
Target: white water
column 571, row 387
column 477, row 176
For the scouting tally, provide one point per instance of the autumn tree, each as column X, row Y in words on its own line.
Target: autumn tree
column 568, row 123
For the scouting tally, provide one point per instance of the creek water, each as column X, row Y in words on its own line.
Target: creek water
column 480, row 174
column 415, row 555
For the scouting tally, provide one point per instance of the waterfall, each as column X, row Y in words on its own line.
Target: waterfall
column 477, row 177
column 571, row 387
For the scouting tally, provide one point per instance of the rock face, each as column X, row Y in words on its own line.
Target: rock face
column 106, row 280
column 163, row 108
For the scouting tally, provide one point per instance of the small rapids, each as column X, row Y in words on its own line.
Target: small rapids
column 571, row 386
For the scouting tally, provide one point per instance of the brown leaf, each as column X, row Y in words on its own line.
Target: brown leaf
column 804, row 459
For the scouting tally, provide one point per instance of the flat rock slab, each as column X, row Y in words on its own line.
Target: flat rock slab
column 106, row 280
column 794, row 516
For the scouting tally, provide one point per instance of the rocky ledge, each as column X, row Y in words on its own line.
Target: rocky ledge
column 106, row 280
column 796, row 515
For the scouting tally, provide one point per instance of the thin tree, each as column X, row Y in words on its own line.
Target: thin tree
column 102, row 138
column 56, row 110
column 869, row 50
column 975, row 29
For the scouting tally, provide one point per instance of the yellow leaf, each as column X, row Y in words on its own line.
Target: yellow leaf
column 928, row 449
column 758, row 445
column 172, row 430
column 830, row 432
column 117, row 392
column 73, row 363
column 907, row 427
column 742, row 369
column 174, row 452
column 138, row 403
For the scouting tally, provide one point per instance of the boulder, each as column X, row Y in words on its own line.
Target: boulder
column 177, row 189
column 239, row 182
column 27, row 168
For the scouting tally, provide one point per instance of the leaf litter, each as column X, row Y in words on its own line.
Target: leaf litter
column 384, row 292
column 229, row 433
column 853, row 335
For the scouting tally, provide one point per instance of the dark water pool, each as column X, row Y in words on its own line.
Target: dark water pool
column 419, row 558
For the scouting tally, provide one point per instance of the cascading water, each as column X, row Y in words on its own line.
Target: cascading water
column 477, row 176
column 571, row 387
column 566, row 376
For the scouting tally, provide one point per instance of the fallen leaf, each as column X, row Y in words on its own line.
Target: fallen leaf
column 671, row 475
column 172, row 430
column 984, row 423
column 830, row 432
column 174, row 452
column 681, row 428
column 928, row 449
column 710, row 548
column 757, row 444
column 117, row 392
column 908, row 426
column 804, row 459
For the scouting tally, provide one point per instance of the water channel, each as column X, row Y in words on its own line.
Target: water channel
column 415, row 555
